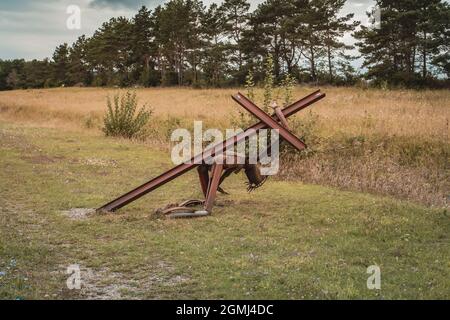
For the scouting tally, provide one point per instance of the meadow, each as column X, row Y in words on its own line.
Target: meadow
column 372, row 190
column 390, row 142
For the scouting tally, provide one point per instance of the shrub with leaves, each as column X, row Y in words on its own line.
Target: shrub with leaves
column 305, row 128
column 123, row 119
column 250, row 85
column 243, row 118
column 269, row 82
column 287, row 86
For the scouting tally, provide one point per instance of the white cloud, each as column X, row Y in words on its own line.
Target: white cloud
column 34, row 30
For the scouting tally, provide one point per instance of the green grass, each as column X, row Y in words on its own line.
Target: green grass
column 286, row 240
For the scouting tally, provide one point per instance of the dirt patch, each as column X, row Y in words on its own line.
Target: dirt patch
column 39, row 159
column 105, row 284
column 100, row 162
column 79, row 213
column 10, row 141
column 31, row 152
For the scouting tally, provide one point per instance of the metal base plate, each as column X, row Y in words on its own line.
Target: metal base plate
column 195, row 214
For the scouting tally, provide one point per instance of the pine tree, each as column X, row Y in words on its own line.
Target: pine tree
column 432, row 31
column 213, row 33
column 78, row 69
column 334, row 29
column 272, row 28
column 61, row 64
column 178, row 35
column 311, row 20
column 37, row 74
column 412, row 34
column 236, row 16
column 109, row 52
column 142, row 47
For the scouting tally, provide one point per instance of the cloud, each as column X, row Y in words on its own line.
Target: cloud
column 359, row 8
column 17, row 5
column 33, row 29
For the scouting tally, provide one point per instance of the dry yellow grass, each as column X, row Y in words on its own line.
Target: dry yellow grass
column 424, row 114
column 389, row 142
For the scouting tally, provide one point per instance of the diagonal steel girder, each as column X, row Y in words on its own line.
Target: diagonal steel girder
column 194, row 162
column 269, row 121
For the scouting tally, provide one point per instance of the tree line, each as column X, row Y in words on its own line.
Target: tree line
column 183, row 42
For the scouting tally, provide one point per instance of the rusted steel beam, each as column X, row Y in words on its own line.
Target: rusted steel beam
column 269, row 121
column 203, row 176
column 213, row 185
column 195, row 161
column 280, row 115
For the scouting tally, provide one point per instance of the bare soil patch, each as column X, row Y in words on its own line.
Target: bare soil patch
column 79, row 213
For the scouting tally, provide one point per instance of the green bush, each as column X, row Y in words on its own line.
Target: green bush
column 122, row 118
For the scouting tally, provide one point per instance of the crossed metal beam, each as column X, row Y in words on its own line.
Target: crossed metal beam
column 210, row 188
column 269, row 121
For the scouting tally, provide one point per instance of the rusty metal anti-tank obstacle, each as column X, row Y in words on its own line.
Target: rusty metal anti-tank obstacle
column 212, row 172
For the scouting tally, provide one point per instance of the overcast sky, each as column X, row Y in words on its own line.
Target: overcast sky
column 32, row 29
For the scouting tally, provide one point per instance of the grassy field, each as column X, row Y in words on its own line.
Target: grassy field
column 289, row 239
column 392, row 143
column 349, row 111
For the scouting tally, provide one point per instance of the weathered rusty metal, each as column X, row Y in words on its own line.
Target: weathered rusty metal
column 213, row 185
column 280, row 115
column 194, row 214
column 269, row 121
column 254, row 177
column 204, row 179
column 222, row 146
